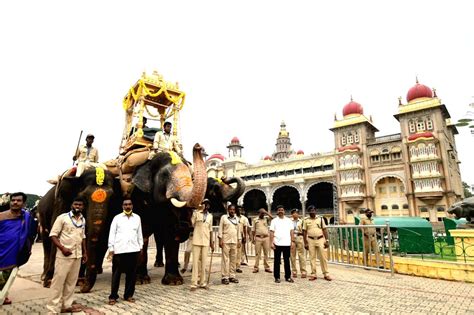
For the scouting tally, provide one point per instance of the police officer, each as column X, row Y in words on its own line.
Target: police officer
column 229, row 240
column 298, row 249
column 260, row 234
column 315, row 240
column 243, row 226
column 370, row 238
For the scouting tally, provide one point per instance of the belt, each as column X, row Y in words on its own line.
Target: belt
column 298, row 234
column 261, row 236
column 316, row 238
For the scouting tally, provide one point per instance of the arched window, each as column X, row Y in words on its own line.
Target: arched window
column 429, row 124
column 350, row 139
column 395, row 207
column 405, row 206
column 384, row 207
column 343, row 140
column 356, row 137
column 420, row 125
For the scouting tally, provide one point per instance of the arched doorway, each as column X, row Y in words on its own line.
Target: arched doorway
column 390, row 198
column 254, row 200
column 321, row 195
column 288, row 197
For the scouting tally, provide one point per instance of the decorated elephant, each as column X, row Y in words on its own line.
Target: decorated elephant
column 463, row 209
column 103, row 196
column 165, row 194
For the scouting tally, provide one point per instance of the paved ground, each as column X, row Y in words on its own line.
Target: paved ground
column 353, row 291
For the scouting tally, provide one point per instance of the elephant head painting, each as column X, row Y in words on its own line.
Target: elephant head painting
column 102, row 193
column 167, row 192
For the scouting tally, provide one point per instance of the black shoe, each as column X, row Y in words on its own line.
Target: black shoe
column 158, row 264
column 290, row 280
column 225, row 281
column 233, row 280
column 243, row 264
column 277, row 280
column 238, row 270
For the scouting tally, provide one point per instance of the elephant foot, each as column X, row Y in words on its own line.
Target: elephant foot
column 143, row 279
column 100, row 270
column 172, row 279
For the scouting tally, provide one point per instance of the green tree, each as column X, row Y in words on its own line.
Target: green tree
column 467, row 190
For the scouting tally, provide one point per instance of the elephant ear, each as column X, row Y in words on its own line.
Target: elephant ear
column 142, row 177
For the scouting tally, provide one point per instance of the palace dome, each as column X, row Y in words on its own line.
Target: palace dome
column 352, row 108
column 300, row 152
column 418, row 91
column 217, row 156
column 235, row 140
column 267, row 158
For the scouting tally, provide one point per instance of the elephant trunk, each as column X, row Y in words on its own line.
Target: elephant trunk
column 200, row 178
column 97, row 230
column 229, row 192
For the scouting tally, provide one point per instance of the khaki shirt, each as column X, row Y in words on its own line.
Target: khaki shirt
column 229, row 230
column 164, row 143
column 314, row 227
column 298, row 229
column 70, row 235
column 202, row 228
column 260, row 227
column 243, row 222
column 82, row 155
column 369, row 231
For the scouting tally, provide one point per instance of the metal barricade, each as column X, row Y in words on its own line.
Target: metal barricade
column 350, row 246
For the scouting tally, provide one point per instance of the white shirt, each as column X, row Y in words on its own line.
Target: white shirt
column 125, row 234
column 282, row 229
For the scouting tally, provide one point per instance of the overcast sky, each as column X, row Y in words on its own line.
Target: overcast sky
column 245, row 66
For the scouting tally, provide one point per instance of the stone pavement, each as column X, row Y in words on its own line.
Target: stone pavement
column 354, row 290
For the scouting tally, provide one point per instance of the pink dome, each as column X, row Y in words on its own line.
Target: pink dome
column 235, row 140
column 418, row 91
column 217, row 156
column 300, row 152
column 352, row 108
column 267, row 158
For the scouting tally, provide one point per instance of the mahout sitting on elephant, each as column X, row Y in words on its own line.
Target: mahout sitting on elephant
column 166, row 193
column 463, row 209
column 103, row 195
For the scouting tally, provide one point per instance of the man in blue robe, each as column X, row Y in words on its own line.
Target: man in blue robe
column 17, row 231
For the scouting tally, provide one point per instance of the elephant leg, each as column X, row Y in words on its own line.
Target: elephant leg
column 172, row 276
column 95, row 256
column 46, row 254
column 50, row 271
column 142, row 271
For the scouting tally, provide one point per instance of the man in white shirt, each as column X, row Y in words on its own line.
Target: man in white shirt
column 125, row 244
column 281, row 239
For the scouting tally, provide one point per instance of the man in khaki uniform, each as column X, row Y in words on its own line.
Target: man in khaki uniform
column 315, row 240
column 87, row 156
column 165, row 141
column 370, row 239
column 229, row 240
column 68, row 235
column 260, row 234
column 202, row 240
column 244, row 228
column 298, row 249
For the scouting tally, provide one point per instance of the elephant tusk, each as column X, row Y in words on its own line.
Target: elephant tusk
column 177, row 203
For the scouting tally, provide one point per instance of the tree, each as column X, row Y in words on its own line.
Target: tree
column 467, row 190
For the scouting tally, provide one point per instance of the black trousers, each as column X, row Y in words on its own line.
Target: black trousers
column 286, row 260
column 124, row 263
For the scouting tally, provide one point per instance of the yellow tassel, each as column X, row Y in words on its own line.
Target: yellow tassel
column 175, row 159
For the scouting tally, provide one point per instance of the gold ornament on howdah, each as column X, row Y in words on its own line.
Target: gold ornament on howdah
column 158, row 99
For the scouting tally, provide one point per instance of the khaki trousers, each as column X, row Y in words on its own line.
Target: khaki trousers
column 199, row 266
column 84, row 165
column 240, row 255
column 370, row 245
column 298, row 249
column 316, row 248
column 66, row 272
column 262, row 243
column 229, row 255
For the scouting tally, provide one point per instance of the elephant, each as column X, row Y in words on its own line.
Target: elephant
column 103, row 195
column 463, row 209
column 166, row 192
column 220, row 191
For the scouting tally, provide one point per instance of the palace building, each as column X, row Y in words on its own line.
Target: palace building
column 411, row 173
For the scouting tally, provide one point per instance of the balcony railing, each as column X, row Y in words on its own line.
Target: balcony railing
column 389, row 138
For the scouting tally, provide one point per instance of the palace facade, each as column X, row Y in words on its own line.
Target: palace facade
column 411, row 173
